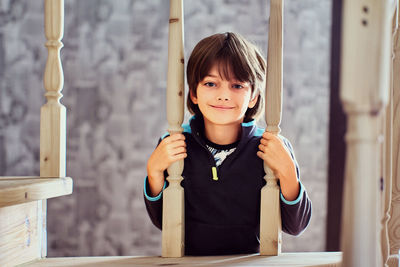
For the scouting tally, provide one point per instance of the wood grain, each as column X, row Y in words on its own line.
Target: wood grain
column 53, row 113
column 21, row 190
column 315, row 259
column 394, row 222
column 173, row 224
column 388, row 152
column 19, row 235
column 270, row 216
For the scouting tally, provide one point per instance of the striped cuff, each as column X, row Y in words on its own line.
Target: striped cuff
column 297, row 200
column 145, row 191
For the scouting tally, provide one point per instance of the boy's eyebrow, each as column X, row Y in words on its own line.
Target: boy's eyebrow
column 217, row 76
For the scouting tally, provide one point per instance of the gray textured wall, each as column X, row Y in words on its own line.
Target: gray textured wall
column 114, row 59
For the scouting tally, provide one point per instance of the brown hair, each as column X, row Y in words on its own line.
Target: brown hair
column 234, row 55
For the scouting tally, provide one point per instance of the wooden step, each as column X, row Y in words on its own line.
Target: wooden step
column 331, row 259
column 23, row 216
column 17, row 190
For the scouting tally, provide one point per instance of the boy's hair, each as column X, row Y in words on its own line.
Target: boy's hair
column 234, row 56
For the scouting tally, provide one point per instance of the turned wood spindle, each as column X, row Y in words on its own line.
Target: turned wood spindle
column 364, row 91
column 173, row 224
column 394, row 221
column 387, row 154
column 270, row 214
column 53, row 113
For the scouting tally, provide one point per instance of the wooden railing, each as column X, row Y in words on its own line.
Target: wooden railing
column 23, row 200
column 365, row 94
column 173, row 195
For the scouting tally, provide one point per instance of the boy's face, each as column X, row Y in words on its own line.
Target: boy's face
column 223, row 101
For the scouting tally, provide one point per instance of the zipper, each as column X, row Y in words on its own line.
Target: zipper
column 214, row 169
column 214, row 173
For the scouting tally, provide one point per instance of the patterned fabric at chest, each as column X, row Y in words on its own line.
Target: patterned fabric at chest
column 220, row 154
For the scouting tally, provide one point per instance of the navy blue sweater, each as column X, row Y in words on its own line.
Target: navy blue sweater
column 223, row 216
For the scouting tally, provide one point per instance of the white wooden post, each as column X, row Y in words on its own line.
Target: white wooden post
column 270, row 214
column 364, row 90
column 173, row 226
column 53, row 113
column 394, row 222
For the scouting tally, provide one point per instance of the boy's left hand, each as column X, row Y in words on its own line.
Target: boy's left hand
column 273, row 152
column 275, row 155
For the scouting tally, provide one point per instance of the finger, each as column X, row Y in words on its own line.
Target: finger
column 176, row 144
column 182, row 155
column 268, row 135
column 180, row 143
column 260, row 155
column 264, row 141
column 172, row 138
column 179, row 157
column 177, row 136
column 178, row 150
column 261, row 147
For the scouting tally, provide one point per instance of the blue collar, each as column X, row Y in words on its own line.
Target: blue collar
column 248, row 124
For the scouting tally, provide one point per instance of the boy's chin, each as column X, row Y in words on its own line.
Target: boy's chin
column 223, row 120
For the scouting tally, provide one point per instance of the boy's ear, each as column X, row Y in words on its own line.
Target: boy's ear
column 192, row 97
column 253, row 101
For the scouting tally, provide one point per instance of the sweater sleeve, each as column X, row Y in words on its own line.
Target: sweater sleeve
column 295, row 214
column 154, row 204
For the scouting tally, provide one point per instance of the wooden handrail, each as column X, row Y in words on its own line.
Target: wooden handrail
column 17, row 190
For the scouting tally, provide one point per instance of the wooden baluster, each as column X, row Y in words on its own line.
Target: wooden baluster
column 270, row 214
column 364, row 90
column 394, row 222
column 387, row 176
column 173, row 235
column 53, row 113
column 388, row 153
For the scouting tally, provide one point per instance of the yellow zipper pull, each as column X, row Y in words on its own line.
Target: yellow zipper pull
column 214, row 173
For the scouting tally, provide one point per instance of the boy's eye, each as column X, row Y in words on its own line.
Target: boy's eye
column 237, row 86
column 209, row 84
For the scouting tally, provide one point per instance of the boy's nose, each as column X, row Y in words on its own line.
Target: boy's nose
column 223, row 98
column 223, row 93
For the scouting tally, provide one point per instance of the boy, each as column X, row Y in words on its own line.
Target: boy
column 224, row 152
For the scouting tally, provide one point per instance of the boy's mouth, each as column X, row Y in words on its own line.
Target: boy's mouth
column 221, row 107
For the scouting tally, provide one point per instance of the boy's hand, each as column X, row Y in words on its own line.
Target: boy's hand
column 273, row 152
column 171, row 149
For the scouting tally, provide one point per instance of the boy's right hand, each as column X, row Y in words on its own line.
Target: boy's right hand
column 171, row 149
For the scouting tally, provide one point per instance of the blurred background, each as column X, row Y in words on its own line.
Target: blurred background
column 114, row 60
